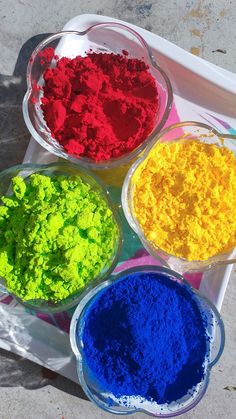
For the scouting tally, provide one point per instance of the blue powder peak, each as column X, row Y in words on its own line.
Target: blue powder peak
column 145, row 336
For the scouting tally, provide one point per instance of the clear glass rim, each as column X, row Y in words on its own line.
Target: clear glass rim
column 72, row 301
column 90, row 295
column 59, row 151
column 208, row 264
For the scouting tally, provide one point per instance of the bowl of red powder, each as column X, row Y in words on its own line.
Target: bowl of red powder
column 96, row 97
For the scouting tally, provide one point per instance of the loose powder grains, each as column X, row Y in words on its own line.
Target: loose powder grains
column 185, row 198
column 101, row 106
column 145, row 336
column 56, row 235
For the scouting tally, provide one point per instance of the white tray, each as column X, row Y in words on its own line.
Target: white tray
column 202, row 92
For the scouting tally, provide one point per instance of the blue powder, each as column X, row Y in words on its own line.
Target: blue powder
column 144, row 335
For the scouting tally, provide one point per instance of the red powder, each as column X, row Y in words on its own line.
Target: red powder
column 101, row 106
column 47, row 55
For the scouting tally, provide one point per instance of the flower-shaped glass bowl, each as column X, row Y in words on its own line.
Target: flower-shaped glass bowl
column 100, row 38
column 189, row 131
column 66, row 169
column 215, row 339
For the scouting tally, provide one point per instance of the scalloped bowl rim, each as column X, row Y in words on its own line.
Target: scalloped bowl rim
column 117, row 253
column 58, row 150
column 207, row 264
column 95, row 291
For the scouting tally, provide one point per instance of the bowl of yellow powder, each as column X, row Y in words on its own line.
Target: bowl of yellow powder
column 59, row 234
column 180, row 197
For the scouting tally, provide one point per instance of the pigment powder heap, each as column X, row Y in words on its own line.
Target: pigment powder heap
column 56, row 235
column 144, row 338
column 185, row 198
column 101, row 106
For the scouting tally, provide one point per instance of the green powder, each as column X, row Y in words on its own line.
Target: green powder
column 56, row 235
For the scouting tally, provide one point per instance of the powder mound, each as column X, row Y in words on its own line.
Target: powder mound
column 185, row 198
column 56, row 235
column 101, row 106
column 145, row 336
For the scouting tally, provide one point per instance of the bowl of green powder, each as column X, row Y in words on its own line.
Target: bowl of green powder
column 59, row 234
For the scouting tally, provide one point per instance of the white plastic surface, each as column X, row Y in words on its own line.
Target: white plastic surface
column 203, row 92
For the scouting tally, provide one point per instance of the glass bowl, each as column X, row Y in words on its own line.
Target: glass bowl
column 66, row 169
column 103, row 37
column 215, row 339
column 190, row 130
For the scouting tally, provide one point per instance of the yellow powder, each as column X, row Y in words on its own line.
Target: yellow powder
column 185, row 198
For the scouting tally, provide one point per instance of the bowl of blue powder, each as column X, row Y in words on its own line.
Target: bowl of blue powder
column 146, row 341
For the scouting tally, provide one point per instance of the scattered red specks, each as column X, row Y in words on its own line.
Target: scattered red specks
column 47, row 55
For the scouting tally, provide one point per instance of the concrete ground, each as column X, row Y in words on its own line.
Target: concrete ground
column 206, row 28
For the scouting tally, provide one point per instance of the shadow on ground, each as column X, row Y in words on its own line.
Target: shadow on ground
column 19, row 372
column 14, row 136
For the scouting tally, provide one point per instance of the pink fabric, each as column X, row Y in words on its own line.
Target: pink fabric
column 7, row 300
column 62, row 321
column 142, row 258
column 173, row 119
